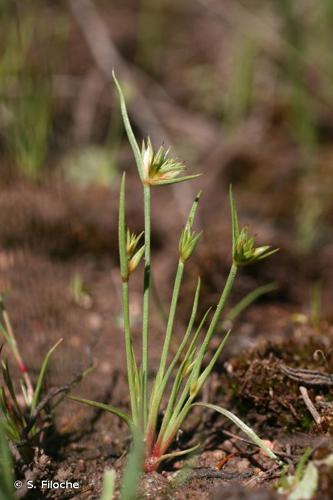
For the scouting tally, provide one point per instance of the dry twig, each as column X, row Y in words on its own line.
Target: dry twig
column 310, row 405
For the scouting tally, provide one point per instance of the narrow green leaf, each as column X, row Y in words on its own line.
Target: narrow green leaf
column 176, row 180
column 41, row 376
column 104, row 407
column 245, row 428
column 249, row 299
column 198, row 330
column 302, row 463
column 217, row 314
column 179, row 453
column 172, row 411
column 5, row 334
column 134, row 468
column 128, row 128
column 207, row 371
column 6, row 474
column 10, row 386
column 109, row 479
column 185, row 338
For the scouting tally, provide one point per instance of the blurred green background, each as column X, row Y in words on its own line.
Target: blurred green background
column 242, row 90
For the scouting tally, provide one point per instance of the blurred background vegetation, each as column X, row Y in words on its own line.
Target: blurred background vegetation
column 241, row 90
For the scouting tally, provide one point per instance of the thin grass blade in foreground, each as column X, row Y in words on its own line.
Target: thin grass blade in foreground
column 245, row 428
column 109, row 479
column 6, row 472
column 134, row 468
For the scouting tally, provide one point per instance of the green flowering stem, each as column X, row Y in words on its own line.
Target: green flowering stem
column 216, row 317
column 183, row 256
column 146, row 303
column 124, row 271
column 171, row 319
column 156, row 392
column 147, row 229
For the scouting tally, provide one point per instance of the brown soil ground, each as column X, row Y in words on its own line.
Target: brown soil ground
column 51, row 232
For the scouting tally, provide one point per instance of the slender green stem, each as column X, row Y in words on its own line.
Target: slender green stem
column 130, row 360
column 157, row 300
column 219, row 308
column 171, row 320
column 174, row 425
column 146, row 303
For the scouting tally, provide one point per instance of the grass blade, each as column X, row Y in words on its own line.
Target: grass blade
column 245, row 428
column 42, row 376
column 172, row 410
column 207, row 371
column 249, row 299
column 176, row 180
column 104, row 407
column 128, row 128
column 179, row 453
column 109, row 479
column 6, row 474
column 134, row 468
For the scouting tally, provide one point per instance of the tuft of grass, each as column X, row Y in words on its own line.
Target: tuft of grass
column 30, row 125
column 180, row 377
column 240, row 93
column 22, row 411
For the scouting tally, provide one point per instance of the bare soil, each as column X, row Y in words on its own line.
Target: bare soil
column 51, row 232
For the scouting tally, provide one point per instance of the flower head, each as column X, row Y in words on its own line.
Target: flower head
column 244, row 250
column 188, row 242
column 159, row 168
column 134, row 256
